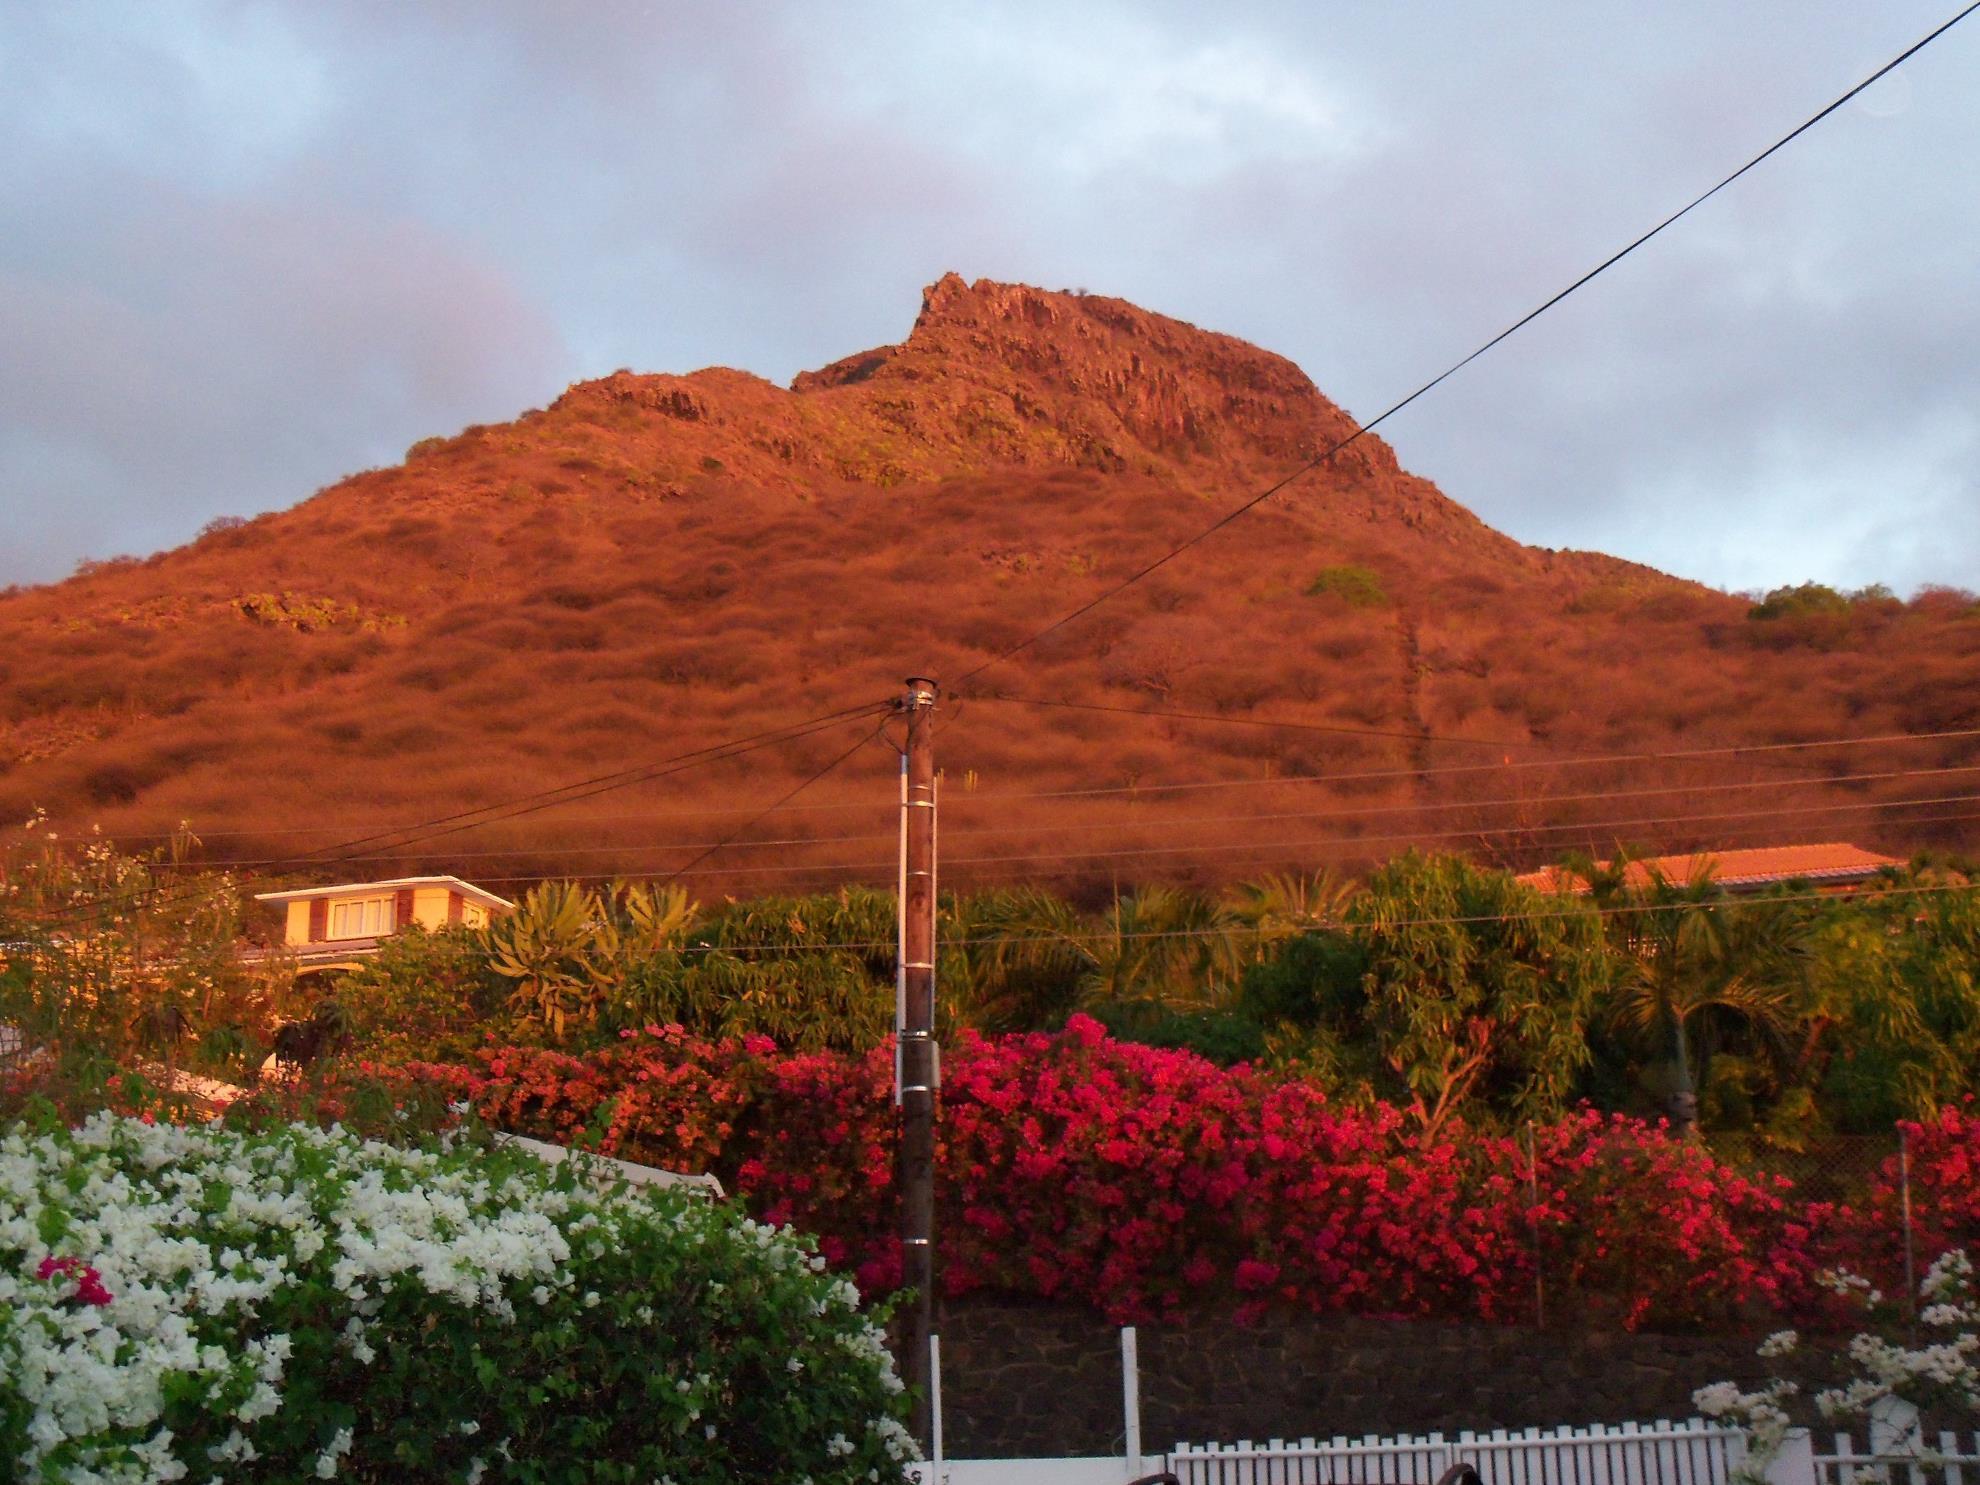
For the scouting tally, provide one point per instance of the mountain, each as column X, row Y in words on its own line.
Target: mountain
column 657, row 563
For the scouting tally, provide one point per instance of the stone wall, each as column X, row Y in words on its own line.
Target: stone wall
column 1026, row 1379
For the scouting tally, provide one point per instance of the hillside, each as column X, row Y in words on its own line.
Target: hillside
column 655, row 563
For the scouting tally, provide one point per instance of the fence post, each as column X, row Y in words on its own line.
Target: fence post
column 1533, row 1225
column 1131, row 1399
column 1910, row 1252
column 1794, row 1464
column 934, row 1409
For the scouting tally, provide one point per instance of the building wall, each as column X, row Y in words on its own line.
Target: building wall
column 430, row 907
column 296, row 928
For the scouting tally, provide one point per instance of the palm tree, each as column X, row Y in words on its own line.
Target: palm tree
column 1691, row 957
column 1281, row 904
column 1033, row 956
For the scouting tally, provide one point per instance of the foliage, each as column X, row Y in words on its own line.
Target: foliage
column 1799, row 600
column 112, row 959
column 554, row 949
column 1359, row 586
column 1219, row 1036
column 1165, row 946
column 1892, row 1027
column 1454, row 983
column 1690, row 959
column 1139, row 1180
column 424, row 994
column 301, row 1304
column 1884, row 1375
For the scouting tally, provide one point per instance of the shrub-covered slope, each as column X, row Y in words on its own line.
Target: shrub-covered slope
column 656, row 563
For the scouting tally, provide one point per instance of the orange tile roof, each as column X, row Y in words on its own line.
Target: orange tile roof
column 1832, row 862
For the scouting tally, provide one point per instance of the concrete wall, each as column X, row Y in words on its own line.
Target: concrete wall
column 1027, row 1380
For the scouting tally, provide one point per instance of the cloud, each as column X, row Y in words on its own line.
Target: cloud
column 196, row 357
column 244, row 248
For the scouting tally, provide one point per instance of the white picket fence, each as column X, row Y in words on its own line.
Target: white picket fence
column 1946, row 1463
column 1692, row 1452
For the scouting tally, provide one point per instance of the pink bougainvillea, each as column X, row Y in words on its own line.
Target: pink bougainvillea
column 1139, row 1180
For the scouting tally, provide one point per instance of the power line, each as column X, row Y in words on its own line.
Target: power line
column 680, row 872
column 1459, row 833
column 1355, row 811
column 1333, row 729
column 966, row 799
column 620, row 779
column 528, row 803
column 1588, row 908
column 1571, row 761
column 1526, row 319
column 1338, row 842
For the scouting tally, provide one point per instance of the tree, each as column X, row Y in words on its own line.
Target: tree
column 1690, row 959
column 1446, row 985
column 1160, row 949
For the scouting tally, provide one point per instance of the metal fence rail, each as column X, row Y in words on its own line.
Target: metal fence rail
column 1692, row 1452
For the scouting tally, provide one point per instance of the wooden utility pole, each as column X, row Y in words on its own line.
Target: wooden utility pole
column 917, row 1064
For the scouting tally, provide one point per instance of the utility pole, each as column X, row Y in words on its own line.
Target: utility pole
column 917, row 1064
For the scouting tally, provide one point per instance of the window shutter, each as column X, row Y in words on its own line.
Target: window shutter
column 319, row 919
column 453, row 907
column 402, row 908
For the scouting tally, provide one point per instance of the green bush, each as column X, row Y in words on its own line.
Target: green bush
column 301, row 1304
column 424, row 995
column 1223, row 1037
column 1359, row 586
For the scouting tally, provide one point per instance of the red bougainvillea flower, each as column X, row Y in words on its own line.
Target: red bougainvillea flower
column 89, row 1283
column 1141, row 1180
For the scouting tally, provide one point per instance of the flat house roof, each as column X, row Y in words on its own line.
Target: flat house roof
column 1834, row 863
column 348, row 889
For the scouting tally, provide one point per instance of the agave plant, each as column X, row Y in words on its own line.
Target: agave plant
column 654, row 919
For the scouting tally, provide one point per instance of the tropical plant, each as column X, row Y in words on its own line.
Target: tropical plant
column 556, row 950
column 1690, row 958
column 1284, row 903
column 1475, row 986
column 1161, row 947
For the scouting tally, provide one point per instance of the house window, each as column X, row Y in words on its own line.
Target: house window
column 474, row 915
column 361, row 917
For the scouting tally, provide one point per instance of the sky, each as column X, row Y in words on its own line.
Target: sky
column 248, row 248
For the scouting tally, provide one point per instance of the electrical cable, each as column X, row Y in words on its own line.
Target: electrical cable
column 1534, row 801
column 1849, row 895
column 1526, row 319
column 965, row 799
column 680, row 872
column 1337, row 842
column 528, row 803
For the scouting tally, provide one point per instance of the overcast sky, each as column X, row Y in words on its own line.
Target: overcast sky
column 248, row 248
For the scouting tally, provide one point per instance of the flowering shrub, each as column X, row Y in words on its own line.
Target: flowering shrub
column 1884, row 1379
column 1139, row 1180
column 298, row 1304
column 1636, row 1220
column 1944, row 1155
